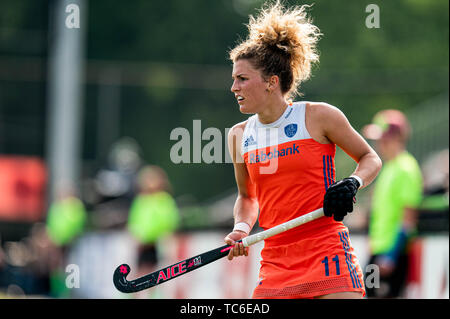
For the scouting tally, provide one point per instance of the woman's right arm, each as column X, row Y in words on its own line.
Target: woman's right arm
column 246, row 205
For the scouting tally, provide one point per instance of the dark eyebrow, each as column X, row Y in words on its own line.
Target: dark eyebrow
column 238, row 75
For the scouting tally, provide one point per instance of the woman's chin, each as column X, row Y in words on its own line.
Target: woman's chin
column 246, row 110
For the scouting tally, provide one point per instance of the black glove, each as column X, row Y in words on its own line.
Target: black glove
column 339, row 198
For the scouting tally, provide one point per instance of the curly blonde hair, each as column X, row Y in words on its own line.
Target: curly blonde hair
column 281, row 42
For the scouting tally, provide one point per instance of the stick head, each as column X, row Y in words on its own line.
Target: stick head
column 119, row 278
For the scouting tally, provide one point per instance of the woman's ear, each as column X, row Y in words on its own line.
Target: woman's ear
column 273, row 82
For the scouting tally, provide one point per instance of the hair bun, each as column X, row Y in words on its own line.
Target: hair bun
column 278, row 30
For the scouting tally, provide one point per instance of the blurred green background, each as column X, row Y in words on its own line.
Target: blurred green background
column 165, row 64
column 149, row 67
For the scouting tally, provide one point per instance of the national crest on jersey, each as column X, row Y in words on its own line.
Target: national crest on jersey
column 290, row 129
column 289, row 169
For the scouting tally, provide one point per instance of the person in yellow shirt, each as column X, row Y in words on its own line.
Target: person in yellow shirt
column 396, row 197
column 153, row 214
column 66, row 221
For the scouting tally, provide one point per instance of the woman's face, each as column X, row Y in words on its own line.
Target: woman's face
column 249, row 87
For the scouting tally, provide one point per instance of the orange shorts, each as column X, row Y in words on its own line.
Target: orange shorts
column 317, row 263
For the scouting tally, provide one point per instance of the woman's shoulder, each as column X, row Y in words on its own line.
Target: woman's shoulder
column 322, row 118
column 238, row 128
column 322, row 111
column 320, row 107
column 235, row 135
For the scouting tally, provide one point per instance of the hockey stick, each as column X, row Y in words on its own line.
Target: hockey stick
column 187, row 265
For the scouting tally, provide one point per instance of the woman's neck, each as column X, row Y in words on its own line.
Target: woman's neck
column 273, row 111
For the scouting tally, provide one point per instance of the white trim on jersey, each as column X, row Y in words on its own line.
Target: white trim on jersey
column 288, row 128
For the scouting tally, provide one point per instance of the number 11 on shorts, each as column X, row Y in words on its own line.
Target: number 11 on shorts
column 336, row 261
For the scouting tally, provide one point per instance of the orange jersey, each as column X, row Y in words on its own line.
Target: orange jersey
column 290, row 170
column 291, row 173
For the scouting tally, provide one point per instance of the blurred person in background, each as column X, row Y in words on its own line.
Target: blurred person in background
column 66, row 221
column 396, row 197
column 114, row 184
column 315, row 260
column 26, row 265
column 44, row 259
column 153, row 214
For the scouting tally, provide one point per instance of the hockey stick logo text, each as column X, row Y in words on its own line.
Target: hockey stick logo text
column 172, row 271
column 195, row 262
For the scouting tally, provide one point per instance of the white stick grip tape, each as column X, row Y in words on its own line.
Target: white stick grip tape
column 253, row 239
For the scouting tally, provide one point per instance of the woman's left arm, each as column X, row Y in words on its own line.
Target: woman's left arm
column 337, row 129
column 331, row 125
